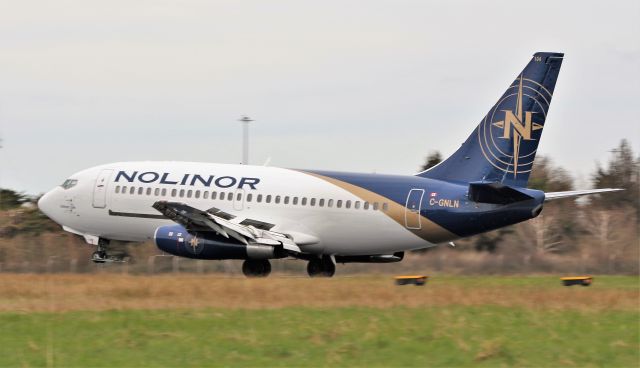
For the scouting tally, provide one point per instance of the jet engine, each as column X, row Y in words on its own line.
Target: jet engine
column 176, row 240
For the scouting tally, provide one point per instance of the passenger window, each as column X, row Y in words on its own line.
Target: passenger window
column 148, row 191
column 117, row 189
column 205, row 194
column 277, row 199
column 268, row 198
column 312, row 202
column 132, row 190
column 330, row 203
column 213, row 195
column 375, row 206
column 304, row 201
column 197, row 194
column 321, row 202
column 385, row 207
column 259, row 199
column 347, row 204
column 239, row 197
column 356, row 205
column 222, row 196
column 339, row 203
column 156, row 192
column 189, row 192
column 164, row 192
column 366, row 205
column 230, row 197
column 124, row 189
column 173, row 192
column 181, row 193
column 286, row 200
column 295, row 200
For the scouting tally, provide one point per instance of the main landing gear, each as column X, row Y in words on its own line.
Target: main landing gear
column 256, row 268
column 321, row 267
column 317, row 267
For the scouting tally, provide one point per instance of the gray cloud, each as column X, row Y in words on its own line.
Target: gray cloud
column 360, row 85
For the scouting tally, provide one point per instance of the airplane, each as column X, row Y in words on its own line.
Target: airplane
column 257, row 213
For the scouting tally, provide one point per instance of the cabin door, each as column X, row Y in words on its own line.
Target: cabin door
column 100, row 189
column 412, row 209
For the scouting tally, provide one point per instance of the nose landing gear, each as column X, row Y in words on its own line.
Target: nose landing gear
column 101, row 255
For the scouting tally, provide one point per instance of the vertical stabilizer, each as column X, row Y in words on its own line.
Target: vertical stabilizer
column 503, row 146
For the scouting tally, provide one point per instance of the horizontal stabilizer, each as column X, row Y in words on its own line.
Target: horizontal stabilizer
column 576, row 193
column 495, row 193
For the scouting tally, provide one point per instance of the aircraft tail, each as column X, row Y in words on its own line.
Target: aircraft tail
column 503, row 146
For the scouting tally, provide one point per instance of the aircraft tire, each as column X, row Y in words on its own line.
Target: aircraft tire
column 321, row 268
column 267, row 268
column 328, row 268
column 256, row 268
column 314, row 268
column 99, row 256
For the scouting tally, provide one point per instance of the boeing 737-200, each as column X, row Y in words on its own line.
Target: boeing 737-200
column 257, row 213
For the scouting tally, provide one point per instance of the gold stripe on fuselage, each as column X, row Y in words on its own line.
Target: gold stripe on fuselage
column 429, row 230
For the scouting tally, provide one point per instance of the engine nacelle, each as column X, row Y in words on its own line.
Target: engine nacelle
column 175, row 239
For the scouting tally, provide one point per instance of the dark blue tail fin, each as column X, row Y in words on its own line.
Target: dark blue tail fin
column 502, row 148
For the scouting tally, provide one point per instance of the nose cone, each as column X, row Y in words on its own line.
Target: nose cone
column 46, row 204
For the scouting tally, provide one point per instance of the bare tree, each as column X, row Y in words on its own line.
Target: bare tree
column 541, row 235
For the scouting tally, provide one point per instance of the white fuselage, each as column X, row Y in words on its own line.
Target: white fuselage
column 105, row 203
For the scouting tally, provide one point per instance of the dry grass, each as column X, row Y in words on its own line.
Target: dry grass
column 67, row 292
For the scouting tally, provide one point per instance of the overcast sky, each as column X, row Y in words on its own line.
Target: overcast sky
column 343, row 85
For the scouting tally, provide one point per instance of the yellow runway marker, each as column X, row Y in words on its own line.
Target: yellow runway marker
column 577, row 280
column 417, row 280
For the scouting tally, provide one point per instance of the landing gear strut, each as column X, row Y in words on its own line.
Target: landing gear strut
column 101, row 256
column 256, row 268
column 321, row 267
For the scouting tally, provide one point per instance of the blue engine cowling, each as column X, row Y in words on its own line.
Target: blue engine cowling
column 175, row 239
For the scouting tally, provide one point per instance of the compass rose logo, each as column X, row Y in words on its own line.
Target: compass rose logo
column 510, row 132
column 195, row 245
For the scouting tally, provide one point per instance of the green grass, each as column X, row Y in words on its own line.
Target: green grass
column 459, row 336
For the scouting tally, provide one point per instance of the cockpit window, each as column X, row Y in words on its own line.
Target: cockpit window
column 69, row 183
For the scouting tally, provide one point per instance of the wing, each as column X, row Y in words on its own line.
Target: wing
column 248, row 231
column 576, row 193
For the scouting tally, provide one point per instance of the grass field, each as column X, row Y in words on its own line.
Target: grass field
column 191, row 320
